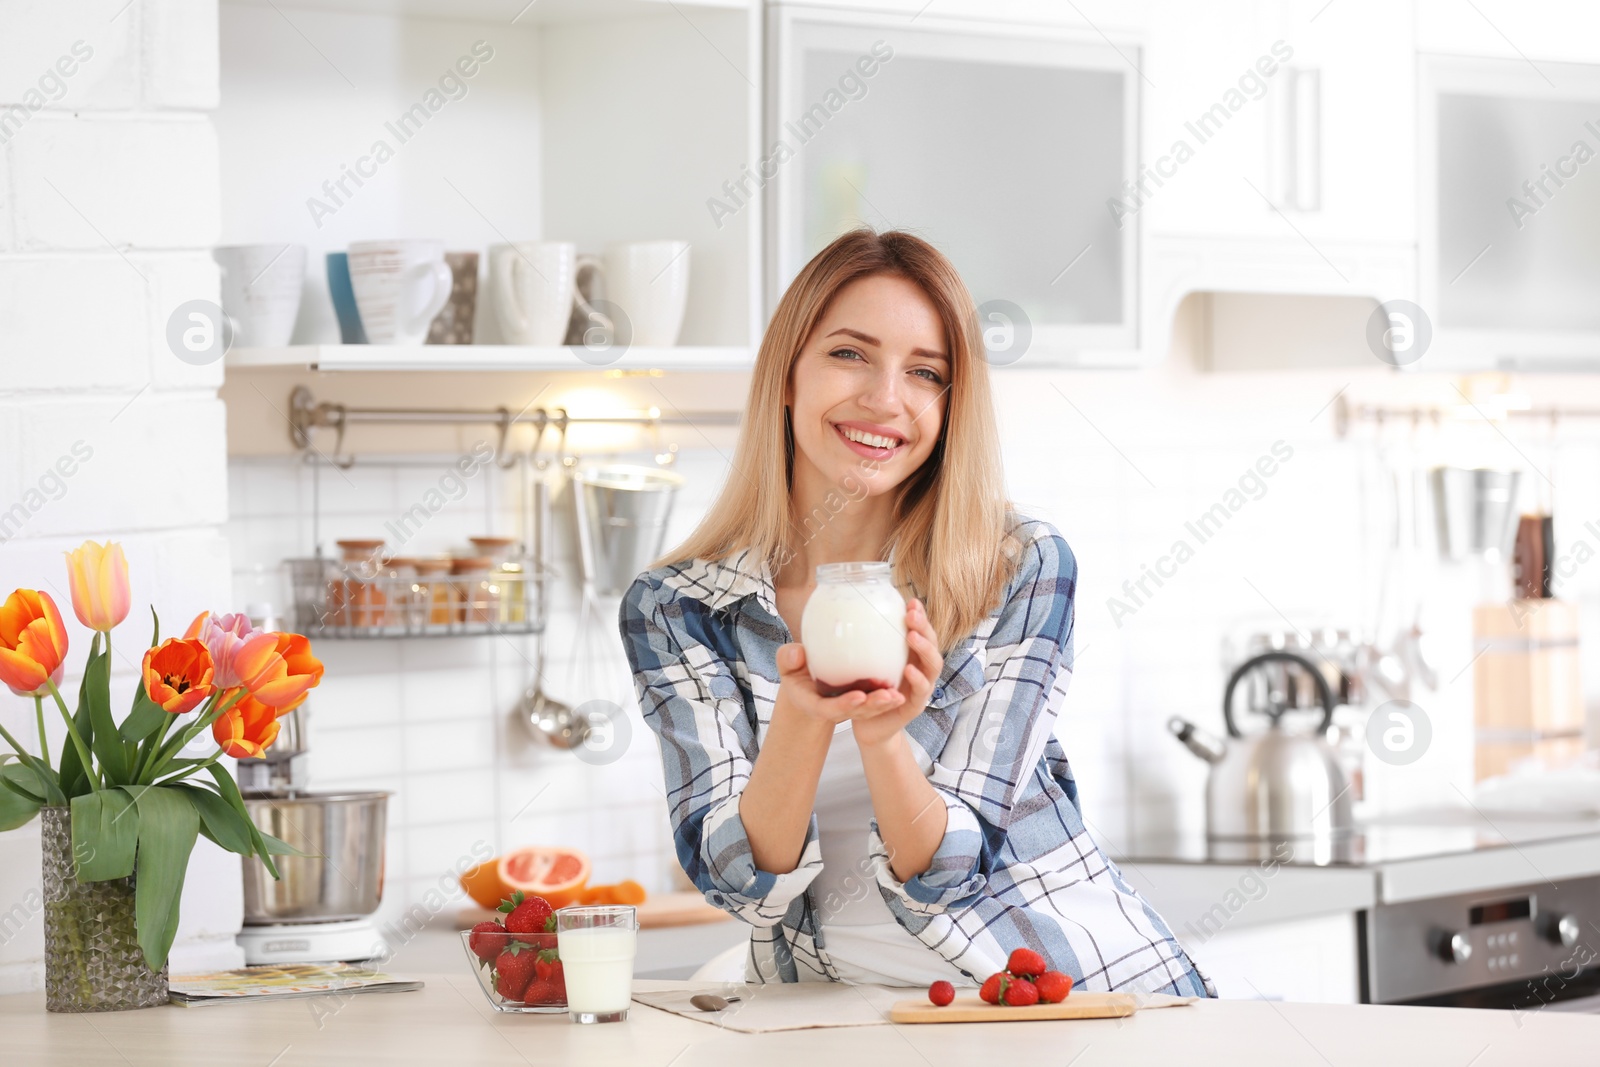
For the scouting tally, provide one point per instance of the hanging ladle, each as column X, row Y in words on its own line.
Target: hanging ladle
column 550, row 720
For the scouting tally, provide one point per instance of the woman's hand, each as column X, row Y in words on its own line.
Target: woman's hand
column 798, row 690
column 923, row 666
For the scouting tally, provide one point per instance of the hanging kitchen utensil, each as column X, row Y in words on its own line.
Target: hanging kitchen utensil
column 1274, row 785
column 551, row 721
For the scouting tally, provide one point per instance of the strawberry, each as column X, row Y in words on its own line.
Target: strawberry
column 1024, row 962
column 1020, row 992
column 990, row 993
column 487, row 940
column 514, row 969
column 1053, row 986
column 543, row 991
column 527, row 915
column 941, row 993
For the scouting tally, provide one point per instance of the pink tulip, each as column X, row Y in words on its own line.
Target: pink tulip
column 236, row 649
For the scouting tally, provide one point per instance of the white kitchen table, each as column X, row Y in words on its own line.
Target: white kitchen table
column 449, row 1022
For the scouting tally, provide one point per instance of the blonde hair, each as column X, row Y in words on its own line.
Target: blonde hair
column 952, row 538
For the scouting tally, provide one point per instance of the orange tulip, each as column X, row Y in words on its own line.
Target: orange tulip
column 98, row 575
column 282, row 676
column 177, row 674
column 247, row 729
column 237, row 651
column 33, row 642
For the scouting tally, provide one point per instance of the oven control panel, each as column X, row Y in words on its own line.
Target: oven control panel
column 1540, row 933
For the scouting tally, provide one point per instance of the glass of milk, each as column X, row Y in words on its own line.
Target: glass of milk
column 597, row 947
column 854, row 628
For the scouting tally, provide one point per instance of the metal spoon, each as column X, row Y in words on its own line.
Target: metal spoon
column 711, row 1002
column 549, row 719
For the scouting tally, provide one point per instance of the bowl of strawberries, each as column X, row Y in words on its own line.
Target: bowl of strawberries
column 516, row 959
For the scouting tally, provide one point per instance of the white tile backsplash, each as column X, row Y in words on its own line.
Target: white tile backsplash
column 1306, row 550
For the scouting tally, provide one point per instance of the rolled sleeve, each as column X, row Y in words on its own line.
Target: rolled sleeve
column 732, row 880
column 692, row 703
column 954, row 876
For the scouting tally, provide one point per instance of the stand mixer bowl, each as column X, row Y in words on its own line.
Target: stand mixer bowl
column 341, row 875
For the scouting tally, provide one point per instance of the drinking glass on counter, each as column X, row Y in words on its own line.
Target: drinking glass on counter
column 597, row 946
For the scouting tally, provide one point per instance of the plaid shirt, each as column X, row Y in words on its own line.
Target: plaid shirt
column 1016, row 866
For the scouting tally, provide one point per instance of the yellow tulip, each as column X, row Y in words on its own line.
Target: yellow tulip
column 99, row 578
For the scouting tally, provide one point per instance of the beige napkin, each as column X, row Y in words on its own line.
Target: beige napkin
column 806, row 1005
column 782, row 1006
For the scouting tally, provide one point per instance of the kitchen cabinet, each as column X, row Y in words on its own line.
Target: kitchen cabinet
column 1510, row 250
column 1000, row 143
column 591, row 121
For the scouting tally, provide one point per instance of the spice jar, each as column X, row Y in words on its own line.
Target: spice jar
column 507, row 574
column 400, row 589
column 435, row 600
column 364, row 603
column 477, row 596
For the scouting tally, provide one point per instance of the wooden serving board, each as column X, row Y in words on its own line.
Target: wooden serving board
column 659, row 910
column 969, row 1009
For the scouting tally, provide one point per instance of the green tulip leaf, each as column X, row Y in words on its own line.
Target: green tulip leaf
column 17, row 803
column 105, row 835
column 168, row 826
column 105, row 743
column 218, row 821
column 230, row 793
column 73, row 778
column 144, row 720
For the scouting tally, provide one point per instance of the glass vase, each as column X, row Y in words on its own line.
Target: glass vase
column 92, row 959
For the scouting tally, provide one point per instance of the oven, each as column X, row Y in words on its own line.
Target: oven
column 1524, row 948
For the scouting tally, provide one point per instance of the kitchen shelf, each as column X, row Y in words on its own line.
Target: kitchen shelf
column 489, row 358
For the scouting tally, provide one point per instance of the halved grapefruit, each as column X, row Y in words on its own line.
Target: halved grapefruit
column 557, row 874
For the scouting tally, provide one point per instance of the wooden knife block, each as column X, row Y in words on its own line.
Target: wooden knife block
column 1527, row 687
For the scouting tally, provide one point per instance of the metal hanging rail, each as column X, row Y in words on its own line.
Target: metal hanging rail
column 306, row 414
column 1345, row 413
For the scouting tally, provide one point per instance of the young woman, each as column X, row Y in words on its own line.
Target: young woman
column 925, row 830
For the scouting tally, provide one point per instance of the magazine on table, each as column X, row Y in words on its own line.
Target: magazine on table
column 284, row 982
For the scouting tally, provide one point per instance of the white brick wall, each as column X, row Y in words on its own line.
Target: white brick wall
column 108, row 208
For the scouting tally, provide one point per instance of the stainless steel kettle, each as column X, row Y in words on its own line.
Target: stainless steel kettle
column 1274, row 785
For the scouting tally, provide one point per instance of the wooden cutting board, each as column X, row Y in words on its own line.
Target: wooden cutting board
column 969, row 1009
column 658, row 910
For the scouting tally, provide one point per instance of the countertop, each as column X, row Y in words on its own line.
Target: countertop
column 450, row 1022
column 1403, row 858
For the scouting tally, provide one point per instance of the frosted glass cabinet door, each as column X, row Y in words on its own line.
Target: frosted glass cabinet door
column 1003, row 150
column 1514, row 254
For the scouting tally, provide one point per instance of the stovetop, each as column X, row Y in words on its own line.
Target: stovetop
column 1396, row 839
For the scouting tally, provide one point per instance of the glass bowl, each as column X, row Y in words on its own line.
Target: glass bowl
column 548, row 1002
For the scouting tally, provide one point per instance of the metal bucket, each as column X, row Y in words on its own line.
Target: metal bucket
column 1474, row 510
column 622, row 520
column 341, row 877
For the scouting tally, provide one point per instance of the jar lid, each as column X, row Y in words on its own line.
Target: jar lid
column 361, row 543
column 467, row 564
column 402, row 561
column 862, row 571
column 493, row 542
column 432, row 565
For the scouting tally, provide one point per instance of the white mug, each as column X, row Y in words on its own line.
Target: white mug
column 261, row 291
column 399, row 287
column 649, row 282
column 533, row 284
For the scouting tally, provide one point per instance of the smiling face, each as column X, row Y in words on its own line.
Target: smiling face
column 869, row 390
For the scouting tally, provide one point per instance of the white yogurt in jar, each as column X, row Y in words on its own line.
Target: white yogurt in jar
column 854, row 628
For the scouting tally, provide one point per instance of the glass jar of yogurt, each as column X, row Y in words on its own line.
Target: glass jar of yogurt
column 854, row 628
